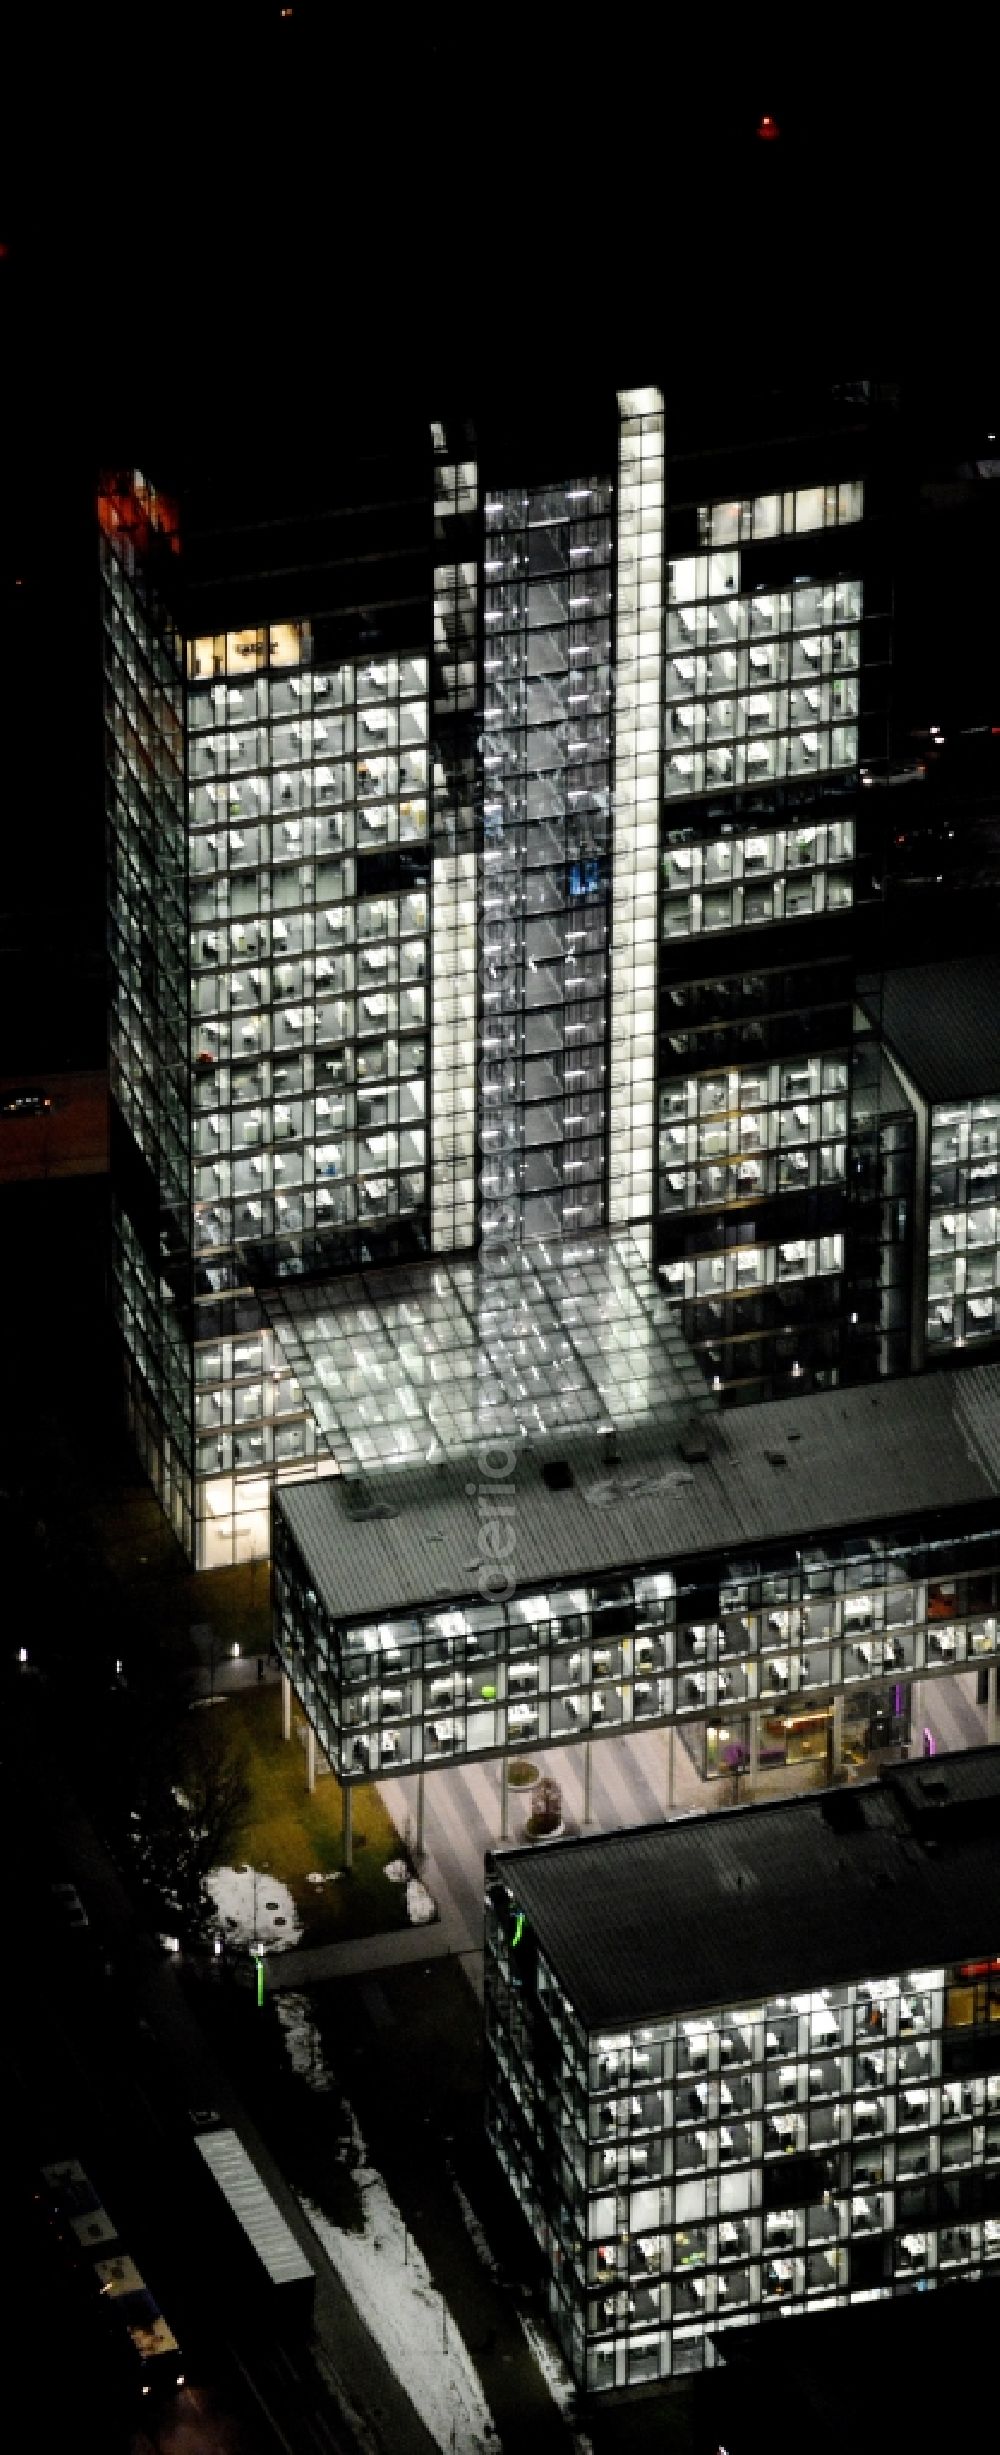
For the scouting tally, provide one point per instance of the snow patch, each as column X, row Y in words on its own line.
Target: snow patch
column 302, row 2039
column 387, row 2278
column 254, row 1907
column 555, row 2374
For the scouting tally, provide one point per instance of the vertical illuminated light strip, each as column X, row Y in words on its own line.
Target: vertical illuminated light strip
column 452, row 1121
column 453, row 1051
column 638, row 700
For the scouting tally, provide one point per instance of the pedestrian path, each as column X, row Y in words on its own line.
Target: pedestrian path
column 634, row 1778
column 463, row 1818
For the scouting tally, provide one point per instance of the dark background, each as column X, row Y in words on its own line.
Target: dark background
column 238, row 217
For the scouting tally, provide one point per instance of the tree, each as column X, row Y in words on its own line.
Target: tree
column 217, row 1787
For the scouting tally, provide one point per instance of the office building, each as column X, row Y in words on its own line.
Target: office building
column 939, row 1029
column 746, row 2066
column 777, row 1597
column 486, row 830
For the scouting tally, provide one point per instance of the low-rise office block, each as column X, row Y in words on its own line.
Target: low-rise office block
column 750, row 2065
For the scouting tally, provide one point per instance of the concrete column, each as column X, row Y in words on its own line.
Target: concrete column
column 587, row 1780
column 419, row 1841
column 286, row 1706
column 347, row 1822
column 753, row 1767
column 993, row 1707
column 310, row 1758
column 670, row 1737
column 835, row 1758
column 504, row 1801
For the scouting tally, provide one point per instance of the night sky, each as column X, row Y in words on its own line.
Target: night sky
column 235, row 216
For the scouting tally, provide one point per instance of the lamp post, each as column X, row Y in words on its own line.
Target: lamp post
column 257, row 1949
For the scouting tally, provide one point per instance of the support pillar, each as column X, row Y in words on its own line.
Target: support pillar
column 419, row 1840
column 753, row 1765
column 310, row 1758
column 836, row 1759
column 286, row 1706
column 993, row 1707
column 347, row 1822
column 504, row 1801
column 587, row 1781
column 670, row 1736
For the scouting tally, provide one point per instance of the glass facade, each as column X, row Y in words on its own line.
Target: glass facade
column 309, row 942
column 547, row 685
column 424, row 1365
column 753, row 1130
column 753, row 2159
column 746, row 1652
column 754, row 1174
column 963, row 1237
column 309, row 954
column 641, row 523
column 454, row 774
column 148, row 1025
column 762, row 708
column 293, row 955
column 407, row 911
column 750, row 873
column 759, row 686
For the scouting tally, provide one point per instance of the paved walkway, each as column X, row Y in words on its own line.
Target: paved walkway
column 630, row 1784
column 463, row 1818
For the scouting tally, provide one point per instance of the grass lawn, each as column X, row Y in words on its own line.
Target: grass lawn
column 294, row 1835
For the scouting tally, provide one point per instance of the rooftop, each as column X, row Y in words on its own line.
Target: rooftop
column 942, row 1022
column 417, row 1365
column 789, row 1469
column 755, row 1902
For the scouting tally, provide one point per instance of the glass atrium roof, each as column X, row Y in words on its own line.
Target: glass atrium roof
column 428, row 1362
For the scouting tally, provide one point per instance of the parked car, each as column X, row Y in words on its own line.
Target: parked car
column 24, row 1103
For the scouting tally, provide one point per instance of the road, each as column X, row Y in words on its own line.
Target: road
column 70, row 1138
column 122, row 2058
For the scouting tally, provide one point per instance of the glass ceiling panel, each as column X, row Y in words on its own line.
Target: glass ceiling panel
column 428, row 1362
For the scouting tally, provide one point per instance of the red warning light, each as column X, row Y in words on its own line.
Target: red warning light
column 767, row 129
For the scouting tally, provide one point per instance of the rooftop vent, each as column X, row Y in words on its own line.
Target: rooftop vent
column 775, row 1457
column 693, row 1446
column 361, row 1504
column 557, row 1475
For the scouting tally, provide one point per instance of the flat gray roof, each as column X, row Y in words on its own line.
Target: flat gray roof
column 847, row 1458
column 942, row 1022
column 251, row 2201
column 753, row 1902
